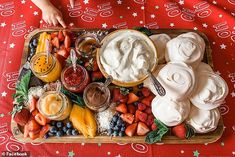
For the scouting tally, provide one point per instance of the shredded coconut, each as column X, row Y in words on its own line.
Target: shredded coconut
column 103, row 120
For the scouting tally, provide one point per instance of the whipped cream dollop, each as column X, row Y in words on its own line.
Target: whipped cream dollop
column 185, row 49
column 210, row 92
column 160, row 41
column 170, row 112
column 178, row 79
column 204, row 67
column 127, row 56
column 203, row 121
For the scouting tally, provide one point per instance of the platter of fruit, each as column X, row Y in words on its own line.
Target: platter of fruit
column 99, row 86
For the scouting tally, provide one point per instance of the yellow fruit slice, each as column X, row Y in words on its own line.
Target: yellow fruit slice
column 90, row 122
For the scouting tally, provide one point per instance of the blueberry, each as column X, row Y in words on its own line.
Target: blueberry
column 53, row 123
column 59, row 124
column 51, row 134
column 31, row 45
column 32, row 50
column 139, row 94
column 69, row 125
column 69, row 132
column 121, row 133
column 74, row 132
column 115, row 118
column 35, row 42
column 140, row 86
column 123, row 128
column 46, row 136
column 119, row 122
column 136, row 103
column 64, row 129
column 116, row 128
column 53, row 129
column 110, row 131
column 115, row 133
column 59, row 133
column 123, row 124
column 112, row 124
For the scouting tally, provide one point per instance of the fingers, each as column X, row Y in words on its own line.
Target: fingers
column 61, row 21
column 54, row 21
column 71, row 3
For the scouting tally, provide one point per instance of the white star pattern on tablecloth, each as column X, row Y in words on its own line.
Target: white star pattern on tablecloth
column 12, row 45
column 118, row 155
column 119, row 2
column 4, row 42
column 21, row 15
column 214, row 2
column 35, row 13
column 223, row 46
column 57, row 152
column 128, row 8
column 134, row 14
column 71, row 24
column 104, row 25
column 30, row 7
column 220, row 15
column 41, row 21
column 233, row 153
column 156, row 7
column 204, row 25
column 3, row 24
column 195, row 28
column 141, row 22
column 181, row 2
column 23, row 2
column 152, row 16
column 108, row 153
column 233, row 94
column 233, row 14
column 9, row 62
column 4, row 94
column 86, row 1
column 142, row 8
column 182, row 151
column 172, row 24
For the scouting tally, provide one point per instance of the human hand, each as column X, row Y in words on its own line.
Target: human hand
column 52, row 16
column 72, row 2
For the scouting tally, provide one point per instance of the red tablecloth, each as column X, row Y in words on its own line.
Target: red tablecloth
column 215, row 18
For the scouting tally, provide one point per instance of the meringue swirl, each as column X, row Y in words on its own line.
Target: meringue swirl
column 178, row 79
column 204, row 67
column 170, row 112
column 184, row 49
column 203, row 121
column 210, row 92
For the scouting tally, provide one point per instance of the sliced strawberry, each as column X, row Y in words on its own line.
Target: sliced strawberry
column 26, row 131
column 143, row 117
column 44, row 130
column 154, row 126
column 63, row 53
column 131, row 108
column 132, row 98
column 118, row 97
column 121, row 108
column 145, row 91
column 55, row 42
column 54, row 34
column 150, row 120
column 61, row 59
column 33, row 125
column 33, row 104
column 34, row 113
column 67, row 41
column 22, row 117
column 179, row 131
column 131, row 129
column 148, row 110
column 34, row 135
column 96, row 76
column 141, row 106
column 128, row 117
column 147, row 101
column 41, row 119
column 61, row 36
column 142, row 129
column 137, row 114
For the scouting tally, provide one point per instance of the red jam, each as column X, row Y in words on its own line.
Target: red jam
column 75, row 81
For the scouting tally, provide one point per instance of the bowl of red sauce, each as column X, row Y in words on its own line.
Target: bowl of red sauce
column 75, row 81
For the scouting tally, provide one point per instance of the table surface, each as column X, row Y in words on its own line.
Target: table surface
column 215, row 18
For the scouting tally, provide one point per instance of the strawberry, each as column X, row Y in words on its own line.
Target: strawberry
column 118, row 97
column 54, row 34
column 61, row 59
column 33, row 125
column 60, row 36
column 96, row 76
column 150, row 120
column 131, row 108
column 34, row 135
column 55, row 42
column 127, row 117
column 132, row 98
column 44, row 130
column 147, row 101
column 131, row 129
column 33, row 104
column 154, row 127
column 142, row 129
column 145, row 91
column 148, row 110
column 137, row 114
column 67, row 41
column 22, row 117
column 34, row 113
column 63, row 53
column 141, row 106
column 41, row 119
column 121, row 108
column 183, row 131
column 143, row 116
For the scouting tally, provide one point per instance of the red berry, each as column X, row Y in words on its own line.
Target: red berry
column 145, row 91
column 141, row 106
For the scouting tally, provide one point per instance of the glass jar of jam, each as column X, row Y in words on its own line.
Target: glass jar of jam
column 54, row 106
column 97, row 96
column 75, row 81
column 86, row 45
column 46, row 70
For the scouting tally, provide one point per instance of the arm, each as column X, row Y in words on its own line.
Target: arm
column 50, row 14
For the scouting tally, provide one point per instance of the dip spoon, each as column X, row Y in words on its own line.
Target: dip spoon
column 159, row 88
